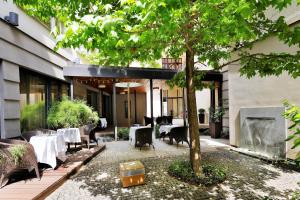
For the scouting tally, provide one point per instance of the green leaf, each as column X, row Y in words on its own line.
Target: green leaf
column 290, row 137
column 296, row 143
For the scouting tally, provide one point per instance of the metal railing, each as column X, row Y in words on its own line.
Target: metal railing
column 172, row 63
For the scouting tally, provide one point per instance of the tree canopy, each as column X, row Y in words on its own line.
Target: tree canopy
column 122, row 31
column 206, row 31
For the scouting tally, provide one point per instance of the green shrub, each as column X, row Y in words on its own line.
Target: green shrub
column 182, row 170
column 123, row 133
column 295, row 195
column 292, row 113
column 71, row 113
column 17, row 152
column 157, row 133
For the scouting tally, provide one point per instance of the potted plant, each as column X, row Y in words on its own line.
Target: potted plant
column 215, row 122
column 201, row 115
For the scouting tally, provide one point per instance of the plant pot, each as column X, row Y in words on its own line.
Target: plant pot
column 201, row 118
column 215, row 129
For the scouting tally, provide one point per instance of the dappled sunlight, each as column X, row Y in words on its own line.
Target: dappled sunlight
column 247, row 178
column 212, row 143
column 102, row 176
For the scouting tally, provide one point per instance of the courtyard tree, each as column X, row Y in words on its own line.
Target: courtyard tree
column 205, row 31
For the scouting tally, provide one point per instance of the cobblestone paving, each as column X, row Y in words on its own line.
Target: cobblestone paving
column 248, row 178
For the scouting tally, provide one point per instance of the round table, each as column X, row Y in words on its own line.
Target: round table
column 103, row 122
column 49, row 147
column 167, row 128
column 71, row 135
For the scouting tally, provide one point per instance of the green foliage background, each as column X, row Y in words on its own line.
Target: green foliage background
column 120, row 32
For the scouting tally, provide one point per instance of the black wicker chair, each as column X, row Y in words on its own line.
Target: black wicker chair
column 170, row 119
column 143, row 136
column 179, row 134
column 148, row 120
column 159, row 120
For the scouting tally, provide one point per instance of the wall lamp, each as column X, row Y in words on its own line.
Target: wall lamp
column 12, row 18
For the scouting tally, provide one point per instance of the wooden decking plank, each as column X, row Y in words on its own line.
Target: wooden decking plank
column 50, row 180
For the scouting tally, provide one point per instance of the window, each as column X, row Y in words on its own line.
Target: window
column 55, row 95
column 172, row 63
column 65, row 89
column 92, row 99
column 126, row 109
column 32, row 102
column 37, row 92
column 173, row 103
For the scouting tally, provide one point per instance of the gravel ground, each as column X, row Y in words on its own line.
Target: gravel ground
column 248, row 178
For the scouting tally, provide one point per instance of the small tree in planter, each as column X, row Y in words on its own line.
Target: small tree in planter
column 292, row 113
column 215, row 123
column 71, row 113
column 201, row 115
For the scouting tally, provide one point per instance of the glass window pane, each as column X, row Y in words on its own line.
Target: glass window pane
column 54, row 91
column 64, row 89
column 92, row 99
column 32, row 101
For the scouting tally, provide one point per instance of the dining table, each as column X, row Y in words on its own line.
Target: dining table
column 167, row 128
column 71, row 135
column 103, row 122
column 49, row 147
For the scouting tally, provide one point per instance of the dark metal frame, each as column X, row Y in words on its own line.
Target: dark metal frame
column 81, row 70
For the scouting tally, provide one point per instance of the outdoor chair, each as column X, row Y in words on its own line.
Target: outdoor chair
column 87, row 134
column 143, row 136
column 162, row 135
column 169, row 119
column 164, row 120
column 159, row 120
column 148, row 120
column 179, row 134
column 8, row 165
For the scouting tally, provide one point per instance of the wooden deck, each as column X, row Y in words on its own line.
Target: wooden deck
column 50, row 179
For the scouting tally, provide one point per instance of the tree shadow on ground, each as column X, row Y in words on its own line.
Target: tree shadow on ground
column 246, row 180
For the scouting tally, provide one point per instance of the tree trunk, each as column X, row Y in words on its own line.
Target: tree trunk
column 195, row 155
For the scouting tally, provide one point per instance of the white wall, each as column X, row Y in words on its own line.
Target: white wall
column 260, row 92
column 203, row 101
column 33, row 28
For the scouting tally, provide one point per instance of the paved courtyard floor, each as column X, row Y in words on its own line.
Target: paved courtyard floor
column 248, row 178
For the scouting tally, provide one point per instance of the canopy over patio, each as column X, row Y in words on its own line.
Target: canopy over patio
column 107, row 79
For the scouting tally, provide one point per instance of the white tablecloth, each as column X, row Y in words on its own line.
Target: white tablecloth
column 48, row 147
column 71, row 135
column 132, row 134
column 167, row 128
column 103, row 122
